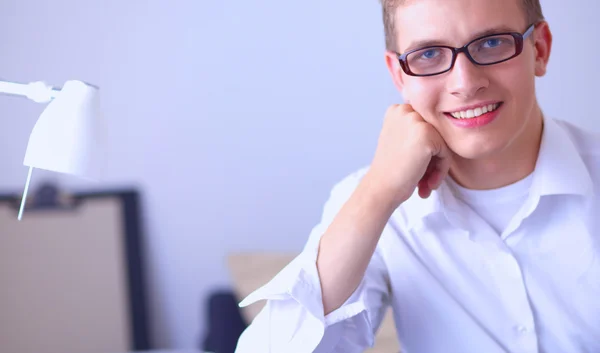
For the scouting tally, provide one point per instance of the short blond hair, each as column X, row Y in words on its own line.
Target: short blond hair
column 532, row 8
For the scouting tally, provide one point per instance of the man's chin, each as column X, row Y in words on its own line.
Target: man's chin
column 475, row 151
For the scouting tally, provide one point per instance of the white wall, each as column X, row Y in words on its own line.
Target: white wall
column 233, row 117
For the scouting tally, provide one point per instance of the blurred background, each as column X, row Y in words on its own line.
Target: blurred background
column 232, row 119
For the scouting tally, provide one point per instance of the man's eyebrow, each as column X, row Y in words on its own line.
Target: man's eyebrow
column 435, row 42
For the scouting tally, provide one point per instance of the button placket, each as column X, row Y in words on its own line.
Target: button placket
column 511, row 286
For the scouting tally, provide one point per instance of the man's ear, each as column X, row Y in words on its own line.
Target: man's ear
column 543, row 45
column 393, row 65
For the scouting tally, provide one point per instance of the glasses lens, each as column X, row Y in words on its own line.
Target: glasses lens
column 430, row 60
column 493, row 49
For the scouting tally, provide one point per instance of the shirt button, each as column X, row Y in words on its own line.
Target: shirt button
column 521, row 329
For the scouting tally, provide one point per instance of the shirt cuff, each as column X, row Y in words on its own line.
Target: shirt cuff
column 298, row 284
column 299, row 280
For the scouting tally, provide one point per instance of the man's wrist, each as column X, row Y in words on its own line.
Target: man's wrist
column 376, row 195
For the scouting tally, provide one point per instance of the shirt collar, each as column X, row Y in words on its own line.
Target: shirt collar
column 441, row 201
column 559, row 170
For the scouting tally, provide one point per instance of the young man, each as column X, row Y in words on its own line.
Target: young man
column 477, row 218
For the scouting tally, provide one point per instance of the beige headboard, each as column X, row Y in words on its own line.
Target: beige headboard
column 71, row 278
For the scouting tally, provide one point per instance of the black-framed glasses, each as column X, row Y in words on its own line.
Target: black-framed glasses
column 487, row 50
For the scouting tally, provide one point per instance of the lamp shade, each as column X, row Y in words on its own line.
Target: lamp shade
column 67, row 136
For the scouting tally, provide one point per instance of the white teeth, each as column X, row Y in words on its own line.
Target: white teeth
column 473, row 113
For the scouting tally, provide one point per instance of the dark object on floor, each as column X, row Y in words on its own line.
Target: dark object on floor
column 225, row 323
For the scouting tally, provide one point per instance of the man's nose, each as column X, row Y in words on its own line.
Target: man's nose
column 466, row 79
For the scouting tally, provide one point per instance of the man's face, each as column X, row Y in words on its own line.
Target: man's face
column 510, row 84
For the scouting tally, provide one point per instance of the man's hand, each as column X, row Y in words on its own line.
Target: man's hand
column 411, row 153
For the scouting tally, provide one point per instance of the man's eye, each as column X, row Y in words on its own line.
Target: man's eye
column 492, row 43
column 430, row 53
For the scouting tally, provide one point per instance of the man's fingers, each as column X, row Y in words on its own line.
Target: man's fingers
column 435, row 179
column 437, row 172
column 444, row 168
column 424, row 192
column 424, row 189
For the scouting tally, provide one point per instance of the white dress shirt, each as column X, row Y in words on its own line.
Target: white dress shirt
column 455, row 283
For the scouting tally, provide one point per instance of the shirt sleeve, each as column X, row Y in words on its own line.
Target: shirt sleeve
column 293, row 318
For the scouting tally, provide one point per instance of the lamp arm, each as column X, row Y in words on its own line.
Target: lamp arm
column 36, row 91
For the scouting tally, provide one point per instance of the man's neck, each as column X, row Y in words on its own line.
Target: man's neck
column 513, row 164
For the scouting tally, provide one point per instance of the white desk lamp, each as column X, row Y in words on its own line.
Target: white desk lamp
column 66, row 136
